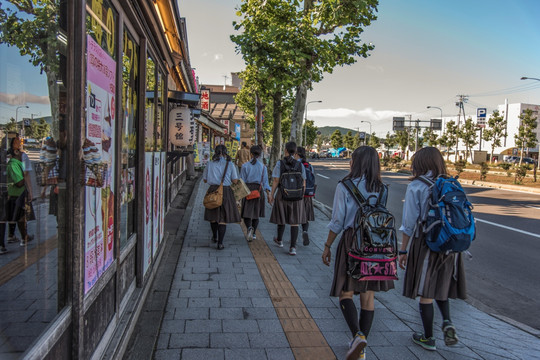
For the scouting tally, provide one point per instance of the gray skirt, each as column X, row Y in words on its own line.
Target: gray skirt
column 308, row 208
column 287, row 212
column 253, row 209
column 227, row 212
column 433, row 275
column 342, row 281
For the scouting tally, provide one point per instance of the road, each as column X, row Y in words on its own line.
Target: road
column 503, row 276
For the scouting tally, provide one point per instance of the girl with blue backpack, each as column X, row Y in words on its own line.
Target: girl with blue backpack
column 428, row 274
column 309, row 192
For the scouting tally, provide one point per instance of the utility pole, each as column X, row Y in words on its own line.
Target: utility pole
column 461, row 99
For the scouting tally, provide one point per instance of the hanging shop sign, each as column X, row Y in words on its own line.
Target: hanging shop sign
column 205, row 100
column 181, row 127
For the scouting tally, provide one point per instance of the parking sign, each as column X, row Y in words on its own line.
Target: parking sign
column 481, row 117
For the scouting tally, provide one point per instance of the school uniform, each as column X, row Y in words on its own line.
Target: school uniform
column 213, row 172
column 308, row 200
column 286, row 211
column 252, row 175
column 343, row 216
column 428, row 274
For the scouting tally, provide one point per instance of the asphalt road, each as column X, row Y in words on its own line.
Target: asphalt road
column 503, row 276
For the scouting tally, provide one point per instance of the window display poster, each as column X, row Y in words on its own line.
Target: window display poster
column 100, row 128
column 162, row 196
column 148, row 173
column 156, row 206
column 202, row 153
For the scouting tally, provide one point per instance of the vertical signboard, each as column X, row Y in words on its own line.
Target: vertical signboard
column 162, row 196
column 148, row 174
column 205, row 100
column 481, row 117
column 100, row 135
column 155, row 203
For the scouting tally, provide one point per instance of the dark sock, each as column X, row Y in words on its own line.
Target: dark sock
column 214, row 226
column 426, row 313
column 365, row 321
column 280, row 231
column 294, row 235
column 221, row 232
column 254, row 224
column 247, row 221
column 444, row 306
column 350, row 314
column 305, row 227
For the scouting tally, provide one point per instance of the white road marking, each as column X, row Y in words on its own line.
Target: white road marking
column 326, row 177
column 532, row 207
column 509, row 228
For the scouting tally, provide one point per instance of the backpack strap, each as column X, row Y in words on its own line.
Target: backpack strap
column 224, row 173
column 383, row 195
column 429, row 182
column 356, row 194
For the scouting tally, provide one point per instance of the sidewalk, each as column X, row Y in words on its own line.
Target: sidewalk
column 254, row 301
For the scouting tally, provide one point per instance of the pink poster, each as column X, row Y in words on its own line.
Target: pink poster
column 156, row 207
column 100, row 130
column 148, row 174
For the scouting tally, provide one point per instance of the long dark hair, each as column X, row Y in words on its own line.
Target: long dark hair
column 301, row 153
column 256, row 151
column 290, row 148
column 220, row 151
column 428, row 159
column 365, row 163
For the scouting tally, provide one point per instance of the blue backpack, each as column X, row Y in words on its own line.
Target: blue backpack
column 310, row 181
column 448, row 224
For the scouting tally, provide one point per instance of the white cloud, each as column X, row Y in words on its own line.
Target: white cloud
column 23, row 98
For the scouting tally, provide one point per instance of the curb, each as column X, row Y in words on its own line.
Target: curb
column 326, row 210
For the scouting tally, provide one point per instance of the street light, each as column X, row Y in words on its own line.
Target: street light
column 529, row 78
column 436, row 107
column 305, row 119
column 17, row 114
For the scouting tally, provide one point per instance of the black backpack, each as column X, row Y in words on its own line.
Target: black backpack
column 310, row 181
column 374, row 252
column 291, row 183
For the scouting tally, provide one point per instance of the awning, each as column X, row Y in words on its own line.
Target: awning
column 211, row 123
column 181, row 97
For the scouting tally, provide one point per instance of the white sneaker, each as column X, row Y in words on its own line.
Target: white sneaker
column 292, row 251
column 356, row 347
column 250, row 234
column 278, row 243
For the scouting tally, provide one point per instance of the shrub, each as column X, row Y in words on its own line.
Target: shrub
column 460, row 166
column 521, row 172
column 506, row 167
column 484, row 167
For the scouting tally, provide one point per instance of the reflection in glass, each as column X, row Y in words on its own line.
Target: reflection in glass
column 149, row 121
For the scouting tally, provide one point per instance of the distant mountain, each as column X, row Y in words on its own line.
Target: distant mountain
column 329, row 130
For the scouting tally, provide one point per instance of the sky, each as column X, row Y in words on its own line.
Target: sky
column 426, row 52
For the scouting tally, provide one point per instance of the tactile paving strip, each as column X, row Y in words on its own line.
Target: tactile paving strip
column 303, row 334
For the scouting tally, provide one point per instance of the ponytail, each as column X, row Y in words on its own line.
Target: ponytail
column 290, row 148
column 220, row 151
column 255, row 150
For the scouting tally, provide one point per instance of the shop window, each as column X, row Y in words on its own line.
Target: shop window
column 33, row 53
column 128, row 195
column 149, row 119
column 99, row 146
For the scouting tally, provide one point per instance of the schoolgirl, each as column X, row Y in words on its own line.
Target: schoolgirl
column 286, row 211
column 221, row 167
column 255, row 176
column 430, row 275
column 308, row 200
column 365, row 173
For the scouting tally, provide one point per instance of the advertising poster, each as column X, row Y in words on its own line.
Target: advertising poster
column 162, row 196
column 237, row 130
column 100, row 125
column 234, row 149
column 148, row 173
column 228, row 145
column 156, row 204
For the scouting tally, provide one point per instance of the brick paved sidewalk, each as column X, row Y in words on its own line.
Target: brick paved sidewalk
column 254, row 301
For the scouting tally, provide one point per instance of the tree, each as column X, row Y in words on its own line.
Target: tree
column 450, row 136
column 336, row 139
column 430, row 137
column 11, row 126
column 495, row 131
column 468, row 134
column 310, row 130
column 526, row 136
column 357, row 142
column 389, row 141
column 374, row 141
column 447, row 143
column 402, row 139
column 348, row 140
column 38, row 130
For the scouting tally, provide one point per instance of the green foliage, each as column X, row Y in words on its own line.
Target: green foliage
column 506, row 167
column 495, row 131
column 460, row 166
column 336, row 139
column 430, row 137
column 402, row 139
column 38, row 130
column 357, row 142
column 526, row 136
column 374, row 141
column 11, row 126
column 348, row 140
column 484, row 168
column 396, row 162
column 468, row 135
column 521, row 172
column 311, row 133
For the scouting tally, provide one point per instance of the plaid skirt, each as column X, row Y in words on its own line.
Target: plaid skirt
column 287, row 212
column 342, row 281
column 253, row 209
column 227, row 212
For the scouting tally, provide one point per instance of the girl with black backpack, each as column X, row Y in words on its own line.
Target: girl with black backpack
column 366, row 176
column 429, row 274
column 309, row 193
column 221, row 169
column 288, row 208
column 255, row 176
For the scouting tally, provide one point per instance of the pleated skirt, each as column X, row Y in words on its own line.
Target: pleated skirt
column 253, row 209
column 342, row 281
column 433, row 275
column 287, row 212
column 227, row 212
column 308, row 208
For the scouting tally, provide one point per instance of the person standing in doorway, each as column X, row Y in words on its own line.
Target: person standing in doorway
column 309, row 192
column 242, row 156
column 288, row 208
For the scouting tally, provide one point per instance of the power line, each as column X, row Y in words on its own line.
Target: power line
column 510, row 90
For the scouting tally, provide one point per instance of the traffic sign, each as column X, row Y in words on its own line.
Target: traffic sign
column 398, row 123
column 436, row 124
column 481, row 117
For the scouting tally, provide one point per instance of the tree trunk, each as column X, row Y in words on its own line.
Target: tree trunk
column 54, row 94
column 492, row 151
column 297, row 113
column 259, row 115
column 276, row 137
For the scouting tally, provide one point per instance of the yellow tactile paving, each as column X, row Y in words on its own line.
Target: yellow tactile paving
column 303, row 334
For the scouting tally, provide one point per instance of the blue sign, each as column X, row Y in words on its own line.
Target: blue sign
column 481, row 112
column 237, row 131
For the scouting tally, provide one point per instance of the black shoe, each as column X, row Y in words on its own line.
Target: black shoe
column 420, row 339
column 220, row 246
column 214, row 240
column 450, row 336
column 305, row 236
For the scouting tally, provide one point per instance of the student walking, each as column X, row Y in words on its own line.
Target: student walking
column 255, row 176
column 366, row 176
column 430, row 275
column 288, row 208
column 219, row 169
column 309, row 192
column 242, row 156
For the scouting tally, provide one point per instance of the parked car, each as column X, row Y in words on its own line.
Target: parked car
column 515, row 160
column 314, row 155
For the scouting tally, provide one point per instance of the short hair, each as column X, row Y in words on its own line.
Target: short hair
column 428, row 159
column 365, row 163
column 244, row 144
